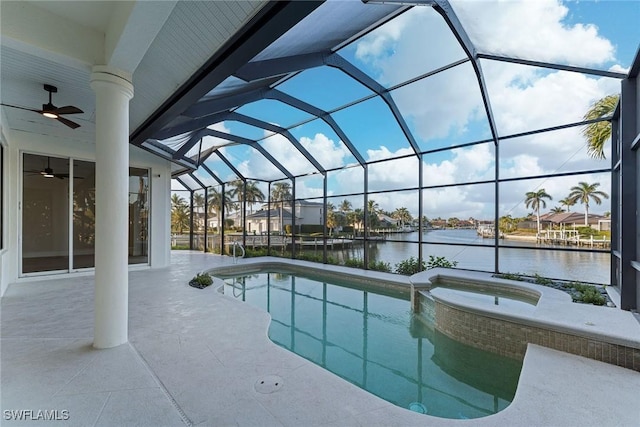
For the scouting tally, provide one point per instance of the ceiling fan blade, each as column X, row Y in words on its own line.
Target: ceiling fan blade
column 72, row 125
column 66, row 175
column 69, row 109
column 23, row 108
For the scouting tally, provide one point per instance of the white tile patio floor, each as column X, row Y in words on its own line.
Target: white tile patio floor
column 195, row 356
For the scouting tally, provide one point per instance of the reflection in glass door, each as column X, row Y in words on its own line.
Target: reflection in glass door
column 48, row 214
column 45, row 214
column 138, row 216
column 84, row 203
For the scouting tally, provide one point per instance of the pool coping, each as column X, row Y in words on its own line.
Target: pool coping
column 601, row 333
column 554, row 311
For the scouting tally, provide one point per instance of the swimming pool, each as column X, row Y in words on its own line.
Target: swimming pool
column 368, row 336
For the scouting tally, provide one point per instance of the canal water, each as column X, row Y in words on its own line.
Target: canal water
column 528, row 258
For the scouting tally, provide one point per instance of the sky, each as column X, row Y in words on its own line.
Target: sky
column 446, row 109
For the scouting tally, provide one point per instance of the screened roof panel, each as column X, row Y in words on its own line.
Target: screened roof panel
column 326, row 27
column 525, row 98
column 322, row 143
column 416, row 42
column 325, row 87
column 246, row 131
column 204, row 177
column 231, row 85
column 208, row 142
column 220, row 169
column 373, row 129
column 444, row 109
column 404, row 44
column 287, row 154
column 586, row 34
column 251, row 163
column 176, row 186
column 177, row 141
column 275, row 112
column 190, row 183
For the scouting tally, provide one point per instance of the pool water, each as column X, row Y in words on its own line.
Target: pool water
column 370, row 338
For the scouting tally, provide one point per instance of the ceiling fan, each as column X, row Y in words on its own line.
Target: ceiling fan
column 48, row 172
column 52, row 112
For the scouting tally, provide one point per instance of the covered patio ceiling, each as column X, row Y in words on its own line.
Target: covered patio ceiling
column 329, row 75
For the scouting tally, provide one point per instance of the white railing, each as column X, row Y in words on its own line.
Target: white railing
column 237, row 244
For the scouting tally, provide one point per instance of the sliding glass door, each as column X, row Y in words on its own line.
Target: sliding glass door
column 84, row 220
column 58, row 233
column 45, row 214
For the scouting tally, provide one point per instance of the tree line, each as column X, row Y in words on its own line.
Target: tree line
column 596, row 134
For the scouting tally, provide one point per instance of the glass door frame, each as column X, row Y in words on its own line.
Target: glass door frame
column 70, row 216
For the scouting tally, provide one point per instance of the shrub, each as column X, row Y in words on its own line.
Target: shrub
column 587, row 294
column 380, row 266
column 317, row 229
column 309, row 257
column 410, row 266
column 253, row 253
column 510, row 276
column 440, row 262
column 180, row 248
column 542, row 280
column 587, row 231
column 201, row 280
column 355, row 263
column 592, row 296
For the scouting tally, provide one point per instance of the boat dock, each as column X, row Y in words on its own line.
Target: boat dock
column 570, row 237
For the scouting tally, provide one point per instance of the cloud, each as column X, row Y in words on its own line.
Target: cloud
column 418, row 39
column 533, row 30
column 329, row 153
column 448, row 106
column 253, row 165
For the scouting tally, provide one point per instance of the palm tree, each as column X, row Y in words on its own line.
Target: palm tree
column 345, row 206
column 567, row 202
column 216, row 199
column 254, row 194
column 177, row 200
column 331, row 218
column 507, row 224
column 373, row 209
column 281, row 192
column 179, row 214
column 402, row 215
column 535, row 199
column 598, row 133
column 557, row 210
column 248, row 189
column 198, row 204
column 583, row 192
column 355, row 217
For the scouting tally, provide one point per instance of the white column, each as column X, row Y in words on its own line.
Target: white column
column 113, row 90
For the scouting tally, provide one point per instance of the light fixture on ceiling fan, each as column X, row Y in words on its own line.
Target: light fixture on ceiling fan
column 51, row 111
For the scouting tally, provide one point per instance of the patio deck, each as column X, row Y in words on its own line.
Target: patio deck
column 194, row 357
